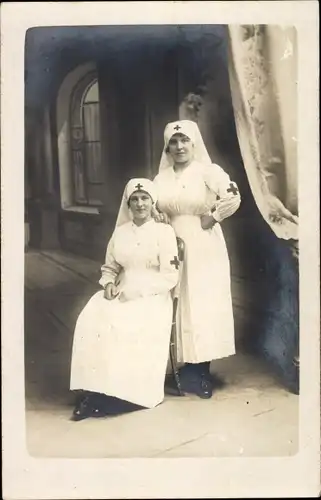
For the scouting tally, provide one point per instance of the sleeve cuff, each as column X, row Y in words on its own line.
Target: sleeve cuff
column 214, row 215
column 103, row 283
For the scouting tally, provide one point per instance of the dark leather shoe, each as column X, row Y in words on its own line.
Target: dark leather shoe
column 195, row 383
column 98, row 413
column 204, row 389
column 82, row 410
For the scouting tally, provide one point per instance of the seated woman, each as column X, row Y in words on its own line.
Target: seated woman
column 122, row 336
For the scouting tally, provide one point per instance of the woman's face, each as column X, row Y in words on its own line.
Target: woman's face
column 140, row 204
column 181, row 148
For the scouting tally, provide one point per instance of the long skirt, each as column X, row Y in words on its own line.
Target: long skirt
column 121, row 348
column 205, row 323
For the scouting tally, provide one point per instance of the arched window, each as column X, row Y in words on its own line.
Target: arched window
column 85, row 142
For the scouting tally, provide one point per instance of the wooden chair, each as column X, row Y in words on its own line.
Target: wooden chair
column 173, row 339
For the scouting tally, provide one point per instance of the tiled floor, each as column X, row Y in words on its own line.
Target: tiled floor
column 251, row 416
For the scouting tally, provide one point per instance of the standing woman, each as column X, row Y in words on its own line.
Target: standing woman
column 122, row 335
column 195, row 195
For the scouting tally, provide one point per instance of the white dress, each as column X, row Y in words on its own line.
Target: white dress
column 121, row 346
column 205, row 324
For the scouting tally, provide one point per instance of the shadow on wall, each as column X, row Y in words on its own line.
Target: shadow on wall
column 265, row 281
column 278, row 342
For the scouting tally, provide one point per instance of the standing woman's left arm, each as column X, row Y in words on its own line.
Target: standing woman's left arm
column 228, row 195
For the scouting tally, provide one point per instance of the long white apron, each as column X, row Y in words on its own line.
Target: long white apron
column 121, row 346
column 205, row 324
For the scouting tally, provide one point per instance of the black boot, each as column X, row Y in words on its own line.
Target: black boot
column 195, row 379
column 216, row 381
column 205, row 390
column 90, row 404
column 203, row 369
column 83, row 408
column 99, row 405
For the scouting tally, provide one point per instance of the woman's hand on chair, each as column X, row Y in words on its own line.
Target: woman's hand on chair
column 207, row 221
column 161, row 217
column 110, row 291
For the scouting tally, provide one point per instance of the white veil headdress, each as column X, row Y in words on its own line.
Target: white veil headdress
column 141, row 184
column 191, row 130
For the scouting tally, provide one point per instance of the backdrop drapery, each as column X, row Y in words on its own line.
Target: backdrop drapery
column 263, row 80
column 262, row 67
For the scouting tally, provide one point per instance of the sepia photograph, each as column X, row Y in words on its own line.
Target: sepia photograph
column 161, row 289
column 196, row 125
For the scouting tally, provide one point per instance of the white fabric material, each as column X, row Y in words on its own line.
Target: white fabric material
column 205, row 324
column 139, row 184
column 191, row 130
column 230, row 202
column 264, row 79
column 121, row 346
